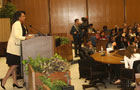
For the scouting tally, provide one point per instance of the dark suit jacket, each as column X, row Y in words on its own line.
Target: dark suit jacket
column 73, row 29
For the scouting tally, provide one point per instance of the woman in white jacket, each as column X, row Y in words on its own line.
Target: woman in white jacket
column 13, row 47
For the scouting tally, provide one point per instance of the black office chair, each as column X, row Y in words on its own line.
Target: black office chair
column 93, row 71
column 136, row 66
column 96, row 74
column 127, row 76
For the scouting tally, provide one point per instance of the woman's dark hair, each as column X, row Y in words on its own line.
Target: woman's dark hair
column 17, row 15
column 130, row 51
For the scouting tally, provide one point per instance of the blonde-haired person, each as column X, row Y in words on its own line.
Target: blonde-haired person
column 13, row 48
column 129, row 58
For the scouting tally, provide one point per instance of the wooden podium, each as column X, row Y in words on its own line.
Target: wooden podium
column 41, row 45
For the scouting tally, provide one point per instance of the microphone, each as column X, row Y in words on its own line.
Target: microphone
column 38, row 32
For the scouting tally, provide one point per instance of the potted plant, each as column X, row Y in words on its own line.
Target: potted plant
column 47, row 65
column 53, row 68
column 6, row 14
column 61, row 40
column 7, row 11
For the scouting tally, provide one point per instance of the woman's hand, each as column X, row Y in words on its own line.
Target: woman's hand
column 29, row 36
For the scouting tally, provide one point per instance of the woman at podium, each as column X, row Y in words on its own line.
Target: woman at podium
column 13, row 48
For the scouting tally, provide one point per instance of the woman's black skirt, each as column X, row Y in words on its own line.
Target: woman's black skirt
column 12, row 59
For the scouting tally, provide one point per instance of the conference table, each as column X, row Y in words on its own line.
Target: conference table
column 109, row 58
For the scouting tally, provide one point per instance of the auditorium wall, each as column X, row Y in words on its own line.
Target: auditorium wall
column 57, row 16
column 132, row 11
column 106, row 12
column 37, row 14
column 63, row 13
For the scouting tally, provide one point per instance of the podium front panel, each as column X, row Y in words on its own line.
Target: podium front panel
column 42, row 45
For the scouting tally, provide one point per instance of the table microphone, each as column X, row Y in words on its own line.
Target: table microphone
column 38, row 32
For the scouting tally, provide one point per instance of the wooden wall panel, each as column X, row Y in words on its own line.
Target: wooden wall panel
column 63, row 13
column 4, row 29
column 106, row 12
column 36, row 14
column 132, row 11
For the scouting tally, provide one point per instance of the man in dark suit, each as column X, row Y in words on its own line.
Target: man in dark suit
column 76, row 36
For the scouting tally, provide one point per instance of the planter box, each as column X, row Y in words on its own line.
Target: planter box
column 34, row 78
column 46, row 87
column 61, row 76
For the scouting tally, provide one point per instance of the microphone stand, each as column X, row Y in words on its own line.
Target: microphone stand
column 38, row 32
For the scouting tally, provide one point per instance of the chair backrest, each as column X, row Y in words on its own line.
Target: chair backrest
column 136, row 66
column 127, row 74
column 100, row 43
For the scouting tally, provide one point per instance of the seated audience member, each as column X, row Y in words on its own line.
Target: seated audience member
column 129, row 27
column 98, row 34
column 112, row 36
column 131, row 35
column 91, row 29
column 116, row 28
column 129, row 58
column 123, row 26
column 138, row 32
column 88, row 49
column 118, row 40
column 135, row 27
column 105, row 29
column 112, row 40
column 102, row 36
column 124, row 38
column 138, row 36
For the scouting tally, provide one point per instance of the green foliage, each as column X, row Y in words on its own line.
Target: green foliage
column 7, row 11
column 56, row 56
column 56, row 37
column 35, row 63
column 55, row 85
column 39, row 88
column 47, row 65
column 63, row 40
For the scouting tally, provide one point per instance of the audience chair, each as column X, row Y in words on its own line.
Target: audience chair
column 136, row 66
column 91, row 70
column 128, row 76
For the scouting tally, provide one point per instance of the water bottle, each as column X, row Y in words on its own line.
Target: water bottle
column 136, row 45
column 102, row 50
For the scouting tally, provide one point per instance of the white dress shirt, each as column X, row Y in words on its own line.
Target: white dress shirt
column 129, row 61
